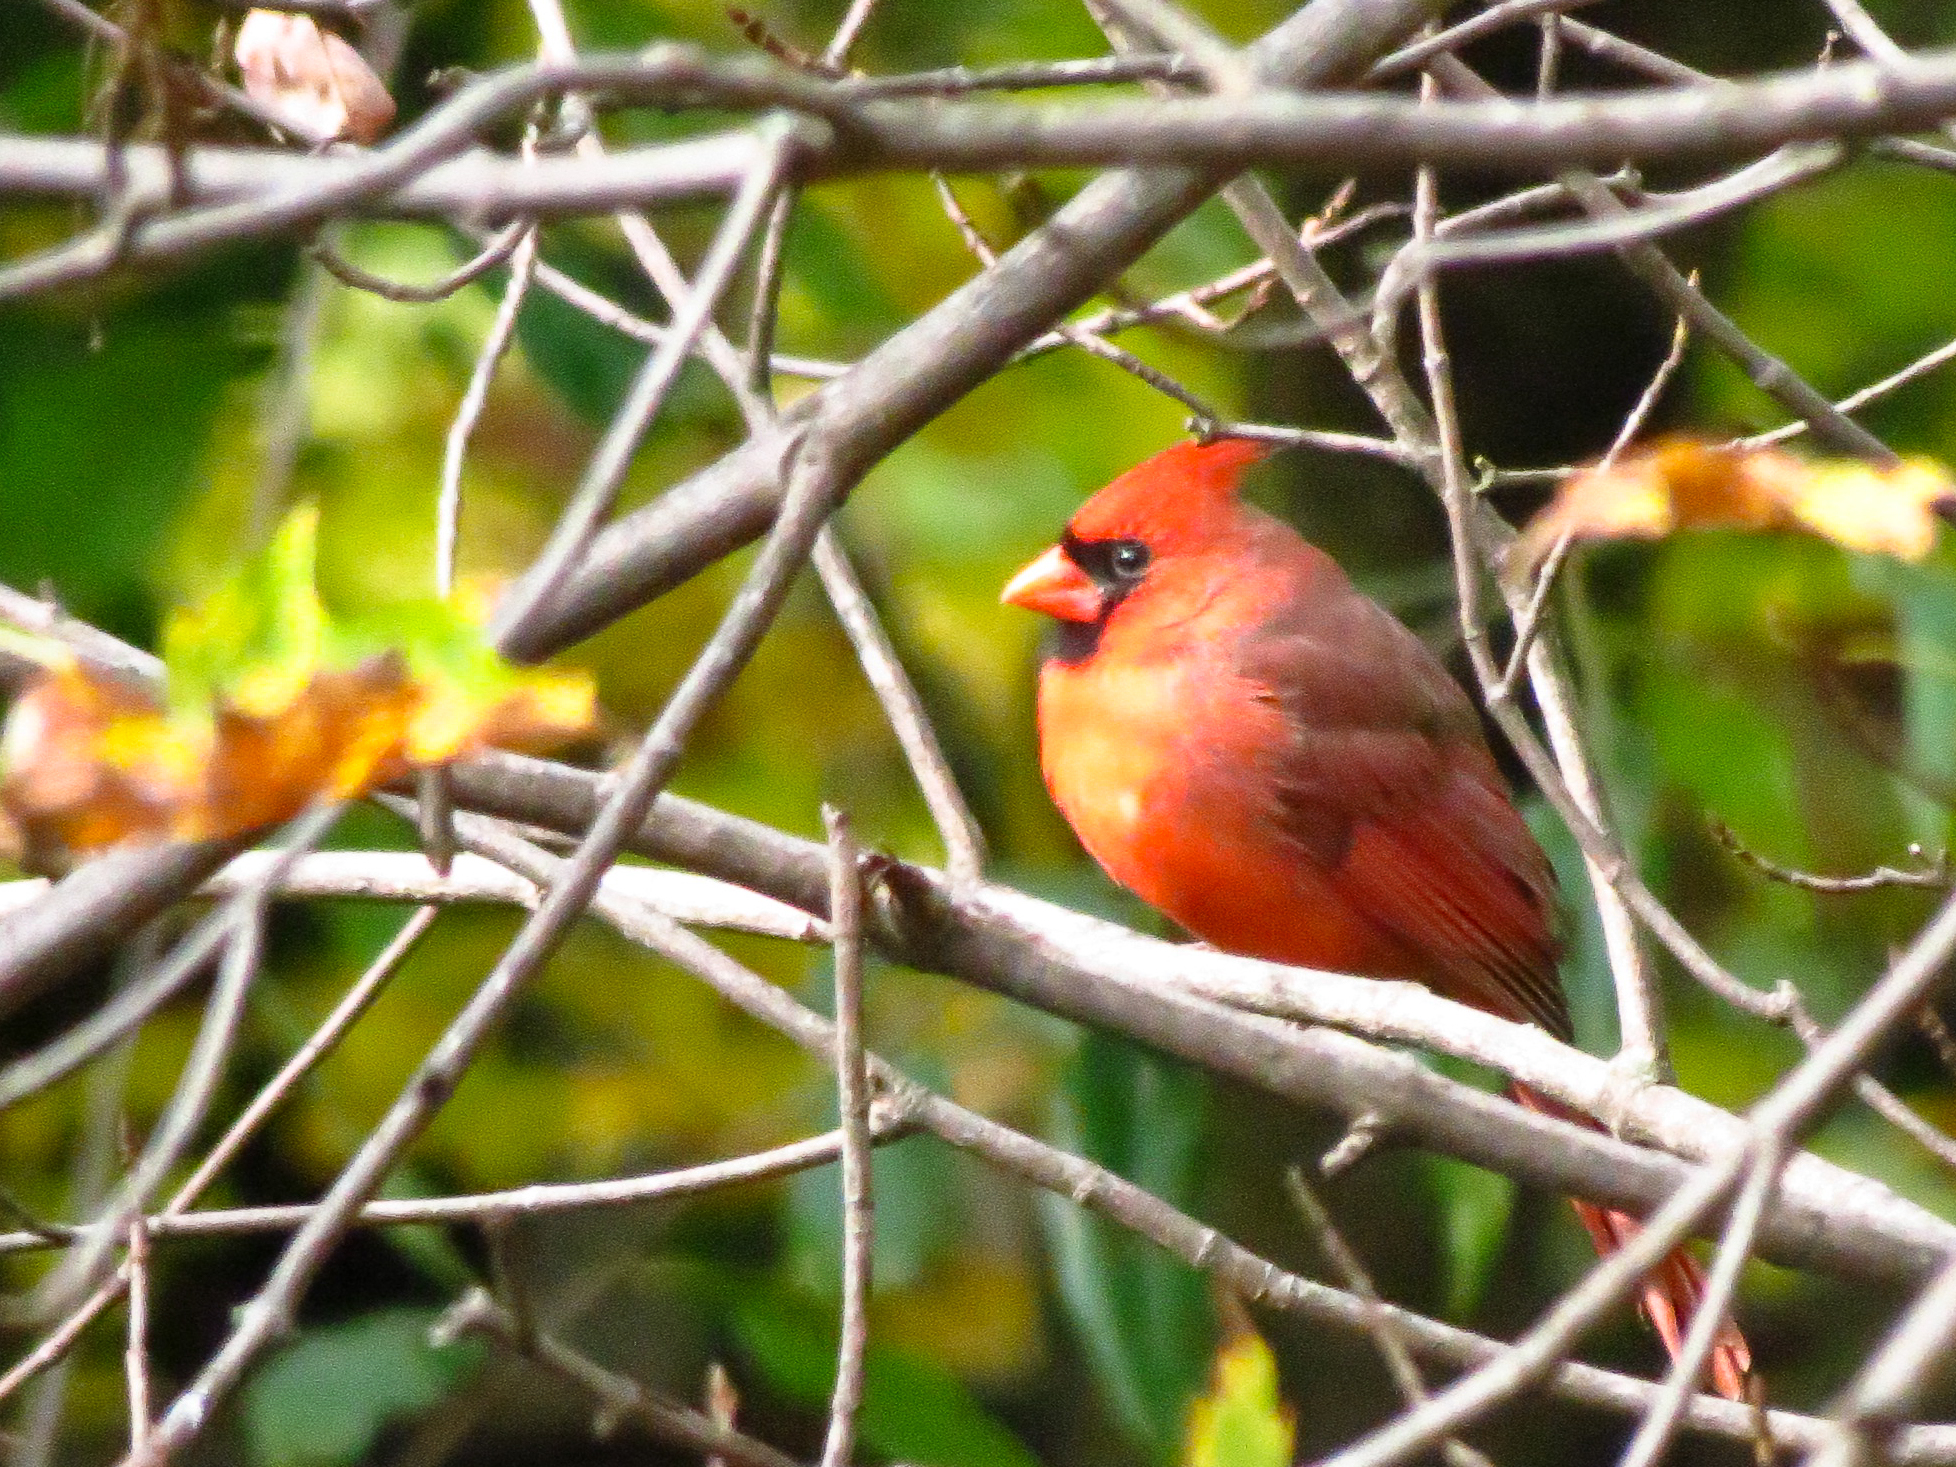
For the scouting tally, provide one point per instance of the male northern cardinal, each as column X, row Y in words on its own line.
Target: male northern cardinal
column 1256, row 749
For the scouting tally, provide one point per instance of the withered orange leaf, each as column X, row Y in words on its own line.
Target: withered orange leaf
column 1682, row 483
column 272, row 704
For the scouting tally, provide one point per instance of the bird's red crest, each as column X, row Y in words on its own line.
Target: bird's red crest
column 1174, row 497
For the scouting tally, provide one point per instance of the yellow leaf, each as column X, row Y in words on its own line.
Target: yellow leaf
column 1241, row 1421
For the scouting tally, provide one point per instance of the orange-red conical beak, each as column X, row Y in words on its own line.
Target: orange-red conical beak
column 1054, row 585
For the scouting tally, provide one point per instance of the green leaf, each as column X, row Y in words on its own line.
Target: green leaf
column 264, row 623
column 263, row 636
column 324, row 1398
column 911, row 1410
column 1143, row 1317
column 1242, row 1420
column 1475, row 1206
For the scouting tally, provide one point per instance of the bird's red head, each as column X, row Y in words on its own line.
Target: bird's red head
column 1177, row 502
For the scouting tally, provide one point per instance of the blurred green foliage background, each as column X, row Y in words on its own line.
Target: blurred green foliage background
column 1797, row 693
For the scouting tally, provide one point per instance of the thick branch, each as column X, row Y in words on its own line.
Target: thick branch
column 416, row 173
column 1172, row 997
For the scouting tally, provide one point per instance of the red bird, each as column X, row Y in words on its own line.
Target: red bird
column 1251, row 746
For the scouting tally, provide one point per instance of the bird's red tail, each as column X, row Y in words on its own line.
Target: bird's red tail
column 1672, row 1291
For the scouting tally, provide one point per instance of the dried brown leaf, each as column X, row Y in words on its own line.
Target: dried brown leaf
column 311, row 77
column 1685, row 483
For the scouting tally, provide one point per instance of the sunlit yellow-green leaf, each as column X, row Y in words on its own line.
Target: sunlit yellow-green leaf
column 1241, row 1421
column 270, row 705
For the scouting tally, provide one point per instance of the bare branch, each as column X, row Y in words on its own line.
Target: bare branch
column 499, row 248
column 541, row 1199
column 1794, row 1104
column 1409, row 59
column 136, row 1355
column 618, row 1398
column 88, row 910
column 964, row 842
column 1379, row 1324
column 599, row 486
column 852, row 1087
column 1934, row 876
column 1091, row 1185
column 1889, row 1386
column 1171, row 997
column 243, row 921
column 925, row 367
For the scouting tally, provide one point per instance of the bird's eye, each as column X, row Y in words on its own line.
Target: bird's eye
column 1129, row 559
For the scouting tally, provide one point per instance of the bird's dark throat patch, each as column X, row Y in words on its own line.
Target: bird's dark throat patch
column 1116, row 567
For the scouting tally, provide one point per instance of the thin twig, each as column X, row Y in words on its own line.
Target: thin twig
column 1386, row 448
column 556, row 46
column 1866, row 32
column 323, row 1040
column 1529, row 624
column 136, row 1355
column 957, row 81
column 602, row 478
column 1093, row 1186
column 1854, row 401
column 964, row 842
column 203, row 1071
column 1189, row 307
column 1629, row 55
column 104, row 1145
column 1794, row 1104
column 502, row 331
column 1385, row 1334
column 1656, row 215
column 1365, row 1131
column 618, row 1397
column 1087, row 341
column 852, row 1087
column 44, row 617
column 286, row 403
column 602, row 309
column 1940, row 1039
column 763, row 316
column 535, row 1200
column 182, row 73
column 1530, row 621
column 499, row 248
column 1548, row 55
column 1659, row 1426
column 1935, row 876
column 1410, row 58
column 1110, row 977
column 1886, row 1390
